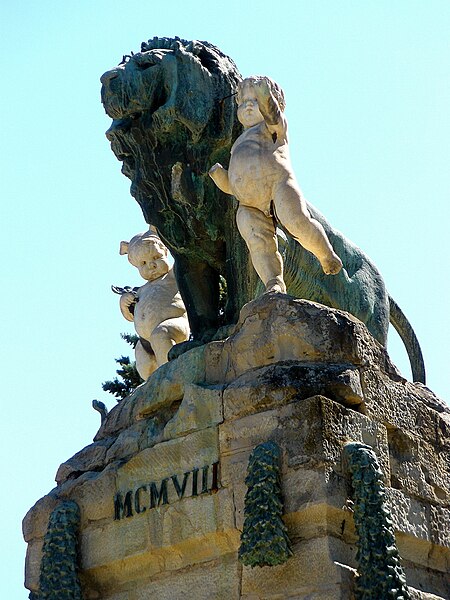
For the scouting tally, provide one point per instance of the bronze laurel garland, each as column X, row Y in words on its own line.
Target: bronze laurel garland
column 380, row 574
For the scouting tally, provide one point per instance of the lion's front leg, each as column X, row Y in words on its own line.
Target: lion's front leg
column 198, row 283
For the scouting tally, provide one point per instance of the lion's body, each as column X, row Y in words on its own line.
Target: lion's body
column 174, row 117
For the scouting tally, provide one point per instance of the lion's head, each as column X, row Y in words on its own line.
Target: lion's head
column 174, row 80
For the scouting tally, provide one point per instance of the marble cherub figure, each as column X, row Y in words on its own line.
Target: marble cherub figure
column 156, row 308
column 260, row 176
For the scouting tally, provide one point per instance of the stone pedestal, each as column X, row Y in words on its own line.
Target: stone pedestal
column 161, row 490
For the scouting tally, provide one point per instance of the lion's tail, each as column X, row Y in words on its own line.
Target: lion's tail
column 409, row 338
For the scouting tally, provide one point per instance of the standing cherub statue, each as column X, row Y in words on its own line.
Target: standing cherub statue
column 156, row 308
column 260, row 176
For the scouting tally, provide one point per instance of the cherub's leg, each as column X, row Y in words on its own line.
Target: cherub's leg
column 260, row 236
column 293, row 214
column 145, row 362
column 167, row 334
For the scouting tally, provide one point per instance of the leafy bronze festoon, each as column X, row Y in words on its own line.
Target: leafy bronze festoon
column 59, row 567
column 264, row 539
column 380, row 574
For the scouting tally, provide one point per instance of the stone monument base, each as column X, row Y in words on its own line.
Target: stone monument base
column 162, row 489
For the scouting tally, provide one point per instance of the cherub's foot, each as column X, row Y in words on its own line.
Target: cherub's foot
column 275, row 286
column 331, row 265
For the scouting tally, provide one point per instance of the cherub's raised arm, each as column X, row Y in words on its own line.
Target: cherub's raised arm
column 269, row 108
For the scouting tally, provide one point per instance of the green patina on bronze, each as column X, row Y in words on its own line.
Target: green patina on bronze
column 264, row 539
column 380, row 574
column 59, row 567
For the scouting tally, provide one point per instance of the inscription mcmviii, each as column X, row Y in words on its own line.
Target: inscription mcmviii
column 195, row 482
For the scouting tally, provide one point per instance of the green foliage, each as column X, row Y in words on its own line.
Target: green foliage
column 58, row 577
column 380, row 574
column 128, row 373
column 130, row 338
column 264, row 539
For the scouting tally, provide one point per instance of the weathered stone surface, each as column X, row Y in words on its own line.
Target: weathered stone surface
column 126, row 444
column 313, row 572
column 417, row 468
column 317, row 517
column 275, row 385
column 429, row 398
column 404, row 405
column 409, row 515
column 115, row 541
column 419, row 518
column 215, row 579
column 94, row 493
column 425, row 581
column 168, row 458
column 90, row 458
column 120, row 417
column 34, row 524
column 311, row 432
column 164, row 386
column 168, row 538
column 218, row 579
column 200, row 408
column 420, row 554
column 440, row 525
column 418, row 595
column 276, row 328
column 198, row 517
column 33, row 564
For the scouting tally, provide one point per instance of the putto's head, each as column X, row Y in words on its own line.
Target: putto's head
column 250, row 82
column 148, row 254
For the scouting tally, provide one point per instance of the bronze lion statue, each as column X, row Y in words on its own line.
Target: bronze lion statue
column 174, row 116
column 173, row 110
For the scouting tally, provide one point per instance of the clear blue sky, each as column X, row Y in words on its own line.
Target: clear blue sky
column 368, row 97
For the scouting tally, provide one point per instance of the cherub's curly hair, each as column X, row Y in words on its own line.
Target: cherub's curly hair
column 276, row 90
